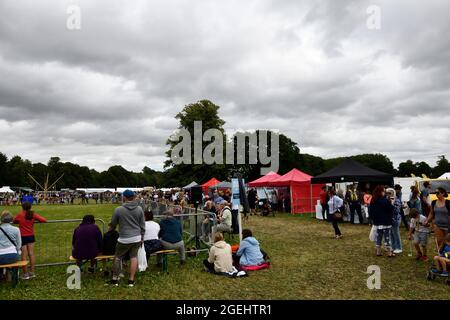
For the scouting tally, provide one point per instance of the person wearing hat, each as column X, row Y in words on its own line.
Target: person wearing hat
column 130, row 218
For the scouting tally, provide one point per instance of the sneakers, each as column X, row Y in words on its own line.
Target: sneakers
column 418, row 257
column 112, row 283
column 436, row 271
column 444, row 274
column 91, row 270
column 130, row 283
column 397, row 251
column 424, row 258
column 25, row 277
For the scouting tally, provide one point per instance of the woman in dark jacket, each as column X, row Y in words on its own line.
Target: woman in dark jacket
column 87, row 242
column 381, row 211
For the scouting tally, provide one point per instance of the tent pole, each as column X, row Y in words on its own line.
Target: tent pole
column 292, row 199
column 310, row 188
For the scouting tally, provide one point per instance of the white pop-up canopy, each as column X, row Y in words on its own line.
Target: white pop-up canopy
column 6, row 190
column 445, row 176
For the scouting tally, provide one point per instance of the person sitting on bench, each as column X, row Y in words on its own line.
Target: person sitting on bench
column 170, row 234
column 151, row 240
column 87, row 242
column 10, row 240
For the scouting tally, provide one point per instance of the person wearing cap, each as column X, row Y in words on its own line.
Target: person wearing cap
column 131, row 221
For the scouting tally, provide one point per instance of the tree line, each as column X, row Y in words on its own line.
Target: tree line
column 15, row 171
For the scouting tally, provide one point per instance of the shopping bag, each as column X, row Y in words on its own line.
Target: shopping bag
column 373, row 234
column 142, row 259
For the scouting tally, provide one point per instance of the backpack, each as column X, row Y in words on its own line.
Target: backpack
column 447, row 205
column 109, row 242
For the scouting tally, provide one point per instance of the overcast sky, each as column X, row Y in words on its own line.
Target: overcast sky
column 107, row 94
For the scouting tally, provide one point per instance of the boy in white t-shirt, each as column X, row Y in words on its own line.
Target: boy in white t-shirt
column 418, row 232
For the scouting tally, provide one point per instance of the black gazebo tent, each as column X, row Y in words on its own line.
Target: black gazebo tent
column 352, row 171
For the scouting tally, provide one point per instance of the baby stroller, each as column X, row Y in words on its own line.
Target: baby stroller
column 434, row 272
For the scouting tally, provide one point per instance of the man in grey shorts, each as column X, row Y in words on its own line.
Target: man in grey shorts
column 130, row 218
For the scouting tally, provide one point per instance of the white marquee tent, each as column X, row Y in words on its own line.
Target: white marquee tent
column 6, row 190
column 445, row 176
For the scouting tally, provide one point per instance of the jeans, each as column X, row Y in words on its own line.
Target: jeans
column 386, row 233
column 325, row 211
column 395, row 234
column 151, row 246
column 356, row 207
column 334, row 223
column 9, row 258
column 179, row 246
column 209, row 265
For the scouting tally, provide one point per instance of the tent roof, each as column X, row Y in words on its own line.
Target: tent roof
column 351, row 171
column 292, row 177
column 6, row 190
column 445, row 176
column 264, row 180
column 190, row 185
column 222, row 185
column 210, row 183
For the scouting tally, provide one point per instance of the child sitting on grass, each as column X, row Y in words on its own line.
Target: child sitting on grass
column 443, row 259
column 420, row 236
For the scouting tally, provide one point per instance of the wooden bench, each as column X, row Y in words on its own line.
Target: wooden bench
column 98, row 258
column 14, row 267
column 165, row 253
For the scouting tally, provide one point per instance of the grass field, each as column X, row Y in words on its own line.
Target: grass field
column 306, row 264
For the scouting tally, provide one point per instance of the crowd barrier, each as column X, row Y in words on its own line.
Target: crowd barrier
column 54, row 239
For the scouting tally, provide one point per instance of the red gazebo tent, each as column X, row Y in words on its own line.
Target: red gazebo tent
column 264, row 180
column 304, row 195
column 208, row 184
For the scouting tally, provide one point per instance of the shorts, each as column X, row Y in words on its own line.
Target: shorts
column 27, row 240
column 421, row 238
column 131, row 248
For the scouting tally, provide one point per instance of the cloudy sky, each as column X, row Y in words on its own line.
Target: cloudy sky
column 107, row 93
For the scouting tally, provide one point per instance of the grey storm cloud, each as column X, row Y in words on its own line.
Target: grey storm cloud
column 107, row 94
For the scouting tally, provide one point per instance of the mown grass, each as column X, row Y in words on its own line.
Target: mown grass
column 307, row 263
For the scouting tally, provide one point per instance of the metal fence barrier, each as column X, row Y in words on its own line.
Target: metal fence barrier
column 54, row 239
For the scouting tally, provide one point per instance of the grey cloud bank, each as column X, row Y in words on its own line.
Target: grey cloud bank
column 107, row 94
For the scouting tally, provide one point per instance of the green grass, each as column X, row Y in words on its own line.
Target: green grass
column 306, row 264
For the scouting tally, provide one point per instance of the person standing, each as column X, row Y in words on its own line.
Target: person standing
column 425, row 199
column 26, row 220
column 381, row 213
column 398, row 193
column 440, row 215
column 354, row 201
column 130, row 219
column 324, row 197
column 252, row 197
column 396, row 221
column 335, row 205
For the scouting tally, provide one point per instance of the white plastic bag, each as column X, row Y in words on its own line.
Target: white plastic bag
column 373, row 234
column 142, row 259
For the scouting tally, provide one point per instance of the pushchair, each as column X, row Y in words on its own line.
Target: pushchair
column 433, row 273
